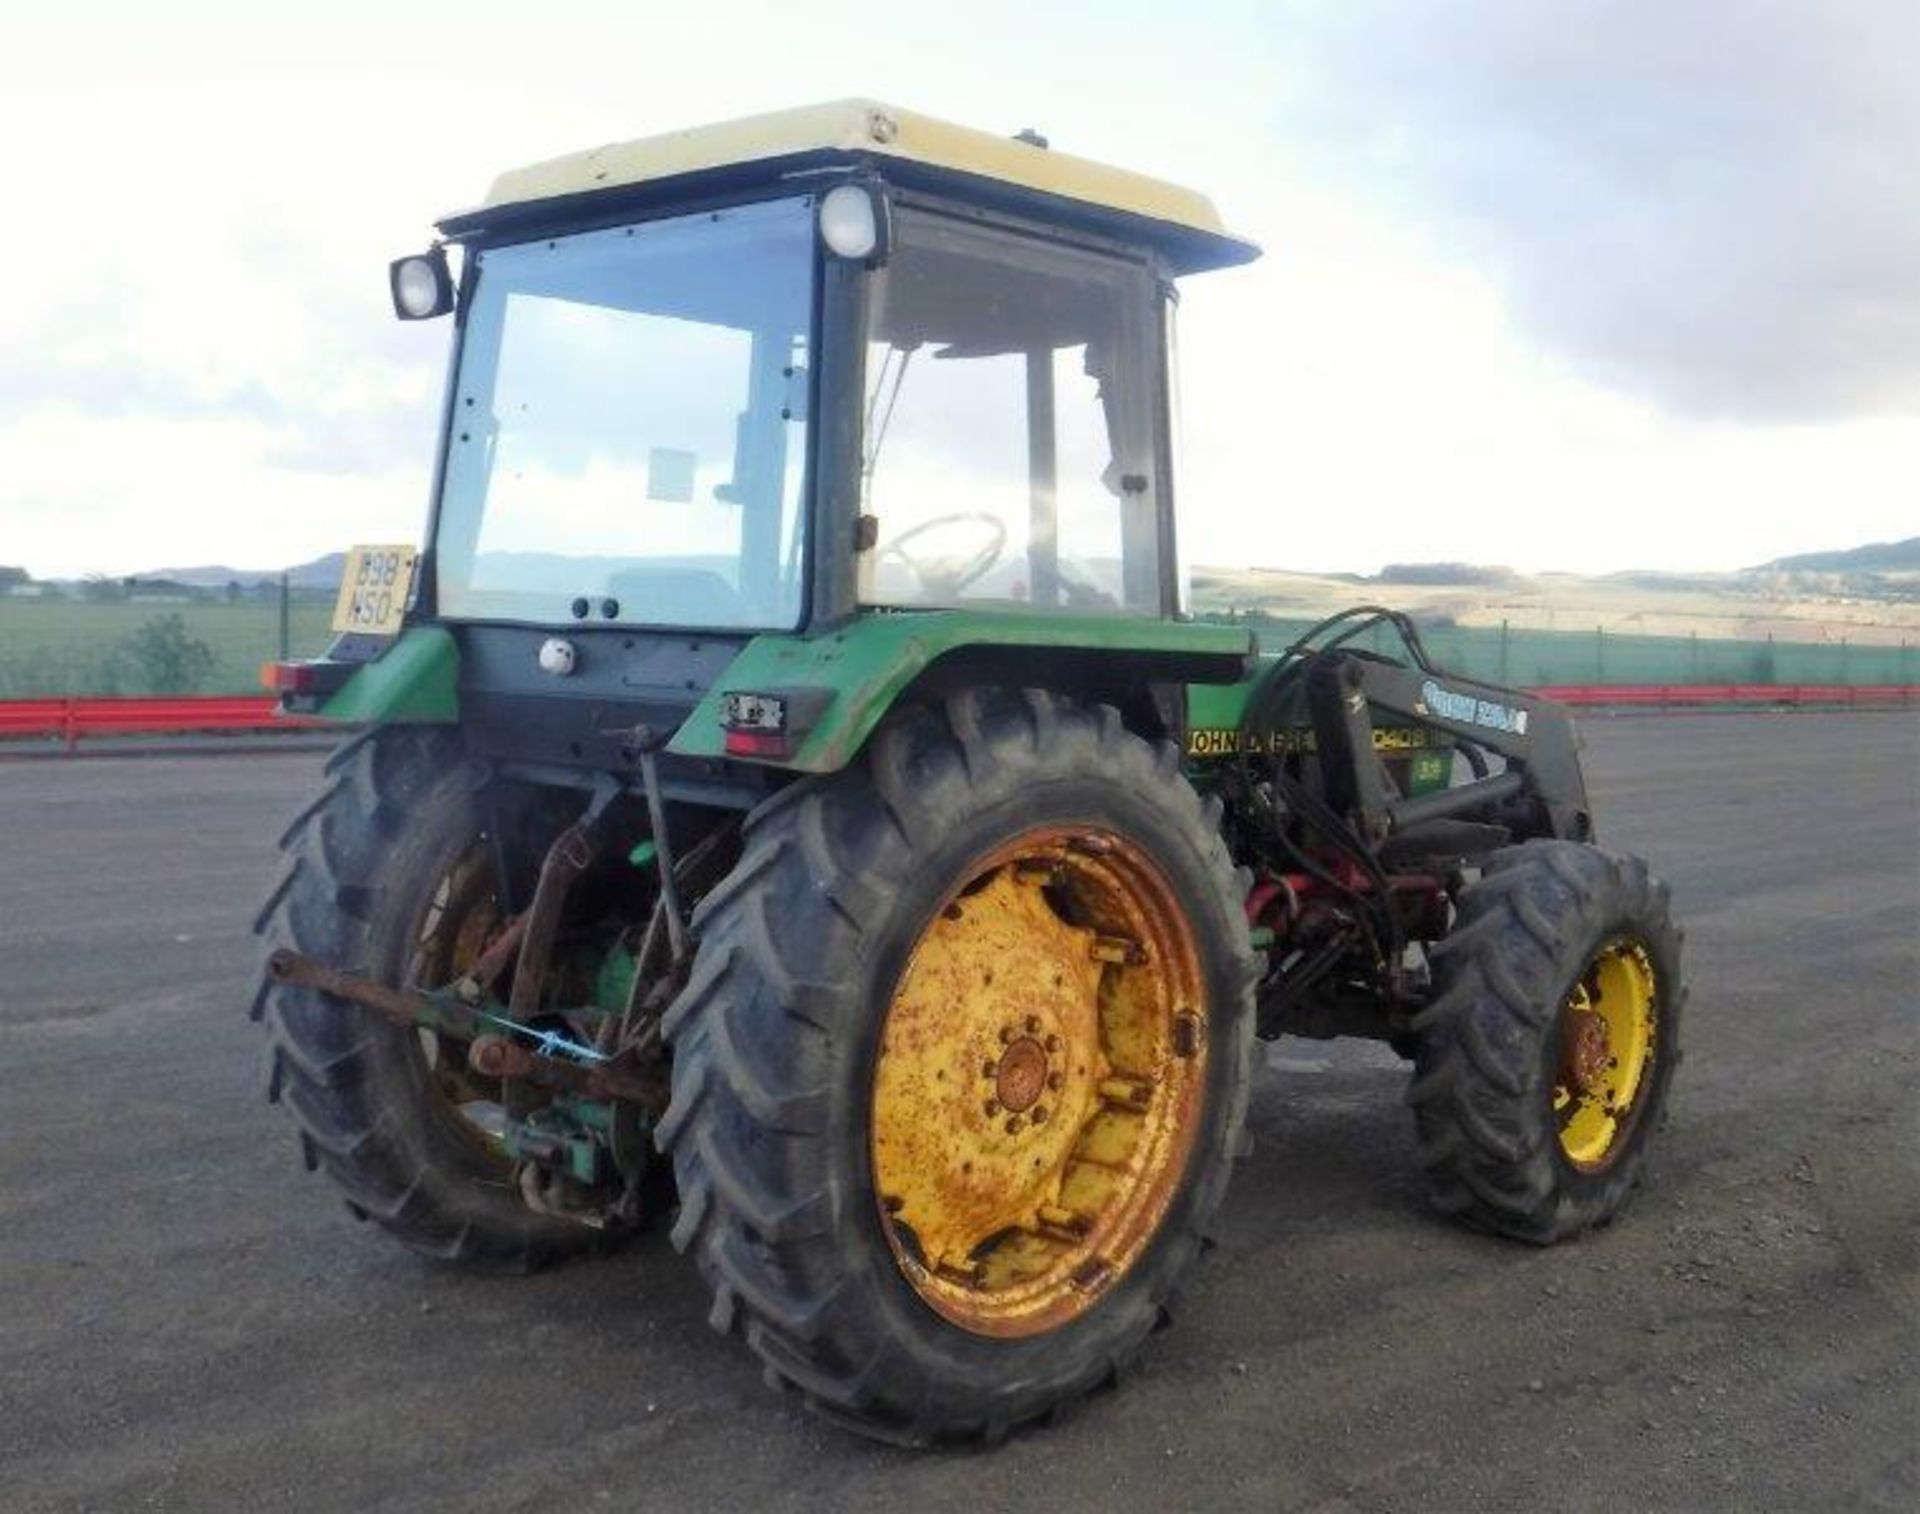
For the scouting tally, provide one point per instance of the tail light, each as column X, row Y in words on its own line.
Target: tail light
column 770, row 724
column 306, row 678
column 756, row 725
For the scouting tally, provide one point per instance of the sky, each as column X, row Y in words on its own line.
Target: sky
column 1561, row 284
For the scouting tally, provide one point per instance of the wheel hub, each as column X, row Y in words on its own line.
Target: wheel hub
column 1584, row 1050
column 1021, row 1075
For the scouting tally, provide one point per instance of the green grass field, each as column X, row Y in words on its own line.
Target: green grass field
column 77, row 646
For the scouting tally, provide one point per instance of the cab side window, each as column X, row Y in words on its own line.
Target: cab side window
column 1009, row 425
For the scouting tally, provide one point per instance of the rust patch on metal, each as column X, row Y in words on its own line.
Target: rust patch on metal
column 479, row 980
column 567, row 860
column 445, row 1015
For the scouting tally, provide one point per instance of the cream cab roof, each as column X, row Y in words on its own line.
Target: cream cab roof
column 854, row 128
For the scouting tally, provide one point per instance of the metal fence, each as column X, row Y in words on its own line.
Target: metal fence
column 1534, row 658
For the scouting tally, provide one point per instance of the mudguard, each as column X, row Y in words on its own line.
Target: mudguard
column 847, row 679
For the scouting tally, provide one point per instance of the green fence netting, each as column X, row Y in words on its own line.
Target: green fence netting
column 76, row 645
column 1531, row 657
column 52, row 646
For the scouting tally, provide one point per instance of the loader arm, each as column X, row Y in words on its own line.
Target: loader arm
column 1534, row 735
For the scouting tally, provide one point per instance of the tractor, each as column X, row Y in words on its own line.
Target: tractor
column 788, row 796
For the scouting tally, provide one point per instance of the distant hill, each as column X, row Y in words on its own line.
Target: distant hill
column 321, row 573
column 1875, row 557
column 1447, row 575
column 1859, row 565
column 208, row 575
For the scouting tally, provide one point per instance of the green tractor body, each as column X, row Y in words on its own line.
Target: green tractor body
column 787, row 794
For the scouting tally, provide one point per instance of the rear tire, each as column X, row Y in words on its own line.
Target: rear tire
column 777, row 1040
column 363, row 860
column 1491, row 1051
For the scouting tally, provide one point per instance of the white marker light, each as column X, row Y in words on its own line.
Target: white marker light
column 557, row 656
column 849, row 222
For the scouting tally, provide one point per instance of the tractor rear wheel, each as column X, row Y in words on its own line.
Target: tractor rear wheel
column 389, row 871
column 1542, row 1066
column 960, row 1067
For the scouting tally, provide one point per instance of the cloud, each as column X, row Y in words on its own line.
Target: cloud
column 1712, row 204
column 250, row 323
column 1529, row 267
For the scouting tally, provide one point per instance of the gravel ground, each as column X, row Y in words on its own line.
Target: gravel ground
column 188, row 1321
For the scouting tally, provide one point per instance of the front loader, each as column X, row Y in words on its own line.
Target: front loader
column 787, row 797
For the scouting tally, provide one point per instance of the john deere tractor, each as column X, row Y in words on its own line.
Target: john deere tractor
column 787, row 795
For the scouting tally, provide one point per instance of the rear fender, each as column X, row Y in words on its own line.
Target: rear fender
column 416, row 681
column 846, row 680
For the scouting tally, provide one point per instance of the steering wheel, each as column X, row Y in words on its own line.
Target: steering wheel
column 942, row 581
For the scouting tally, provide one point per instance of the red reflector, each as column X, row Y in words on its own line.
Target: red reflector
column 287, row 677
column 756, row 743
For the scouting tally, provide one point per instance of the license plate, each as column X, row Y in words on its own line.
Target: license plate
column 374, row 586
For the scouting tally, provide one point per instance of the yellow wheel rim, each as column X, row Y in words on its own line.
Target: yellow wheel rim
column 1606, row 1041
column 1040, row 1074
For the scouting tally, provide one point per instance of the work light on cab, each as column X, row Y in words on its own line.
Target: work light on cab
column 421, row 285
column 853, row 222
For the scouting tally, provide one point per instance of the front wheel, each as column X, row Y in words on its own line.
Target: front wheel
column 961, row 1065
column 1542, row 1067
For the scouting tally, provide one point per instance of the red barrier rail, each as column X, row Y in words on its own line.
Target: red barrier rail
column 71, row 719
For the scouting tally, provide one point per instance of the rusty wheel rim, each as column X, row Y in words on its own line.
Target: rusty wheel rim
column 1607, row 1033
column 1039, row 1078
column 461, row 918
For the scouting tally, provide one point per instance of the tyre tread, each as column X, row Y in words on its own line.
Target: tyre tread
column 1483, row 1129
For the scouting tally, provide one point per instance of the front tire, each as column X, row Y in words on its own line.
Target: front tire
column 1543, row 1064
column 808, row 1034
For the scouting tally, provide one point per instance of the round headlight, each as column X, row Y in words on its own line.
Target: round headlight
column 416, row 288
column 849, row 224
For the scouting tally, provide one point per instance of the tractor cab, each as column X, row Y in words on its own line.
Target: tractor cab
column 762, row 376
column 719, row 394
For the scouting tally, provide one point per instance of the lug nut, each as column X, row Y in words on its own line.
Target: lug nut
column 1015, row 1124
column 1053, row 1043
